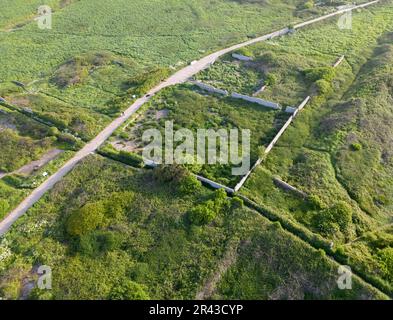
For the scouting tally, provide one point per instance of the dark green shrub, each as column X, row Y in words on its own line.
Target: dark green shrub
column 170, row 173
column 53, row 131
column 98, row 242
column 308, row 5
column 129, row 158
column 220, row 199
column 245, row 52
column 338, row 218
column 86, row 219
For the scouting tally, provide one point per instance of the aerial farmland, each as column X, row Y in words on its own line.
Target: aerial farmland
column 196, row 150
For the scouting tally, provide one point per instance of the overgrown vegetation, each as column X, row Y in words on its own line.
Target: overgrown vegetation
column 114, row 232
column 192, row 109
column 144, row 246
column 337, row 150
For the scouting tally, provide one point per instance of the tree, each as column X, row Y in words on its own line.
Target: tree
column 86, row 219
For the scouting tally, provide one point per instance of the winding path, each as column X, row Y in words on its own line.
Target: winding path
column 179, row 77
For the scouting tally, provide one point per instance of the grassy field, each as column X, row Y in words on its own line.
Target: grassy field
column 147, row 247
column 62, row 63
column 81, row 74
column 22, row 141
column 337, row 151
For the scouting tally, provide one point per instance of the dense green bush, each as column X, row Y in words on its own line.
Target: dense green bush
column 237, row 203
column 96, row 242
column 220, row 199
column 86, row 219
column 189, row 184
column 178, row 177
column 170, row 173
column 207, row 211
column 203, row 213
column 323, row 86
column 70, row 140
column 245, row 52
column 309, row 4
column 316, row 202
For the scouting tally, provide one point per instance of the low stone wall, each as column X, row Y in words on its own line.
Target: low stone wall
column 209, row 88
column 288, row 187
column 259, row 101
column 214, row 184
column 290, row 110
column 279, row 134
column 339, row 61
column 241, row 57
